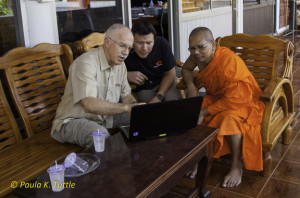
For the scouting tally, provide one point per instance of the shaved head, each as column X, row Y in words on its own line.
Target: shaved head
column 202, row 31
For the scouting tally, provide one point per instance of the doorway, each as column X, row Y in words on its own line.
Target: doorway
column 154, row 12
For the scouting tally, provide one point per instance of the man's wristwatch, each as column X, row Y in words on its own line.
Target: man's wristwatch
column 160, row 97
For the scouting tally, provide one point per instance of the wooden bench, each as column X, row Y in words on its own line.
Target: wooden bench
column 36, row 82
column 270, row 60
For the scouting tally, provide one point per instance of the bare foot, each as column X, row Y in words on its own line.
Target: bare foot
column 191, row 174
column 234, row 177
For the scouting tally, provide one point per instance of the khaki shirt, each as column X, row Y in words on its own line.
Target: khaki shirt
column 91, row 76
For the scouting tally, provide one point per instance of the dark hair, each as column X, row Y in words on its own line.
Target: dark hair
column 143, row 28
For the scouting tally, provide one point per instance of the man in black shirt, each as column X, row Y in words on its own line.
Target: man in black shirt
column 151, row 66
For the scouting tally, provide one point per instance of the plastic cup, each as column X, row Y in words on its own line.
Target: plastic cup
column 75, row 162
column 57, row 177
column 99, row 140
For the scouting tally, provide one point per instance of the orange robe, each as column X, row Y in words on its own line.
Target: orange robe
column 233, row 103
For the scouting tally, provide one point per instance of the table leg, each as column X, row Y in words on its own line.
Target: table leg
column 203, row 172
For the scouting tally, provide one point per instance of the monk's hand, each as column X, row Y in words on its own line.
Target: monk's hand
column 136, row 77
column 200, row 119
column 203, row 112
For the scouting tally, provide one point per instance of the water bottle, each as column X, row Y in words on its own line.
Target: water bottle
column 151, row 4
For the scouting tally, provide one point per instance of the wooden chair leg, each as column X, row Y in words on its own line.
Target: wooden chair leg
column 267, row 164
column 286, row 135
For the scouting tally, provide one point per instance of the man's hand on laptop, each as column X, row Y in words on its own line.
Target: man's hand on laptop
column 128, row 107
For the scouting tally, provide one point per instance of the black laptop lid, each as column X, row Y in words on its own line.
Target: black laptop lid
column 164, row 118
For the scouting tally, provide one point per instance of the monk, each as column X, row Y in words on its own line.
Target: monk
column 231, row 103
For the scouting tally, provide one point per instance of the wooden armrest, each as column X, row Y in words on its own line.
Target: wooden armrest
column 79, row 48
column 275, row 86
column 179, row 63
column 133, row 86
column 181, row 84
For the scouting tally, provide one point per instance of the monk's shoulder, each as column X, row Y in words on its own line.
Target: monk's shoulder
column 227, row 53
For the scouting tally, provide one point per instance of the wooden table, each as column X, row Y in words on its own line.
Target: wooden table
column 146, row 168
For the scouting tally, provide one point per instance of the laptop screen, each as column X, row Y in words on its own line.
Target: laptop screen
column 167, row 117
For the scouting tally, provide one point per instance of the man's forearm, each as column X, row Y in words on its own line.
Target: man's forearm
column 188, row 76
column 129, row 99
column 101, row 107
column 166, row 82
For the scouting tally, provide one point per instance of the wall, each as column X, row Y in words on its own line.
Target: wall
column 220, row 25
column 38, row 22
column 259, row 19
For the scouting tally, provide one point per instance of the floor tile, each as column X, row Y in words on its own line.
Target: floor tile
column 251, row 185
column 280, row 149
column 297, row 102
column 275, row 163
column 217, row 173
column 288, row 171
column 185, row 187
column 296, row 88
column 293, row 154
column 296, row 63
column 297, row 141
column 278, row 189
column 296, row 125
column 222, row 193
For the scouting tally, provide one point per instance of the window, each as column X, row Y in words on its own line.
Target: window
column 199, row 5
column 78, row 18
column 7, row 27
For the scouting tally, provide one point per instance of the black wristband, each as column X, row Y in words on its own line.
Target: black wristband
column 160, row 97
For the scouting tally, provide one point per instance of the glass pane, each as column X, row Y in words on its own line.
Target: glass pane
column 7, row 27
column 250, row 1
column 195, row 5
column 78, row 18
column 220, row 3
column 203, row 4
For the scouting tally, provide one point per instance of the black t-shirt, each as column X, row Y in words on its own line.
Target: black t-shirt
column 154, row 66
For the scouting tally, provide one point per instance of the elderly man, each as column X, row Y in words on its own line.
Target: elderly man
column 151, row 65
column 231, row 104
column 97, row 94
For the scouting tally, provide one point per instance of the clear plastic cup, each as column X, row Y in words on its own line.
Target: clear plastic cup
column 57, row 177
column 99, row 140
column 75, row 162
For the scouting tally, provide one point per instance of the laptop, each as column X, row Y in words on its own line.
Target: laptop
column 163, row 118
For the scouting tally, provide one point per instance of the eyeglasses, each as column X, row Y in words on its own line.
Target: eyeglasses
column 122, row 46
column 199, row 47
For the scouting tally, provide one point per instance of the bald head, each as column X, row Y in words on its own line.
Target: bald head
column 202, row 31
column 117, row 44
column 202, row 45
column 115, row 29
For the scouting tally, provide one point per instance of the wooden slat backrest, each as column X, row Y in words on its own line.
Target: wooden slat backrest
column 261, row 55
column 9, row 131
column 36, row 81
